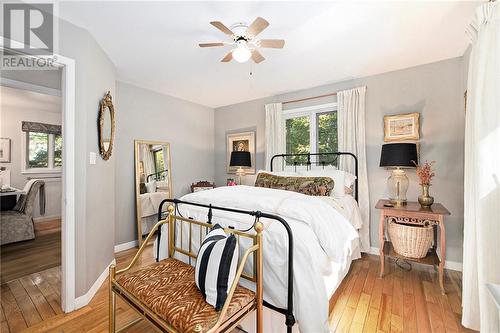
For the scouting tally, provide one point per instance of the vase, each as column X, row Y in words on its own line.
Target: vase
column 425, row 199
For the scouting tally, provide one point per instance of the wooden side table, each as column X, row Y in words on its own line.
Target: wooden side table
column 412, row 213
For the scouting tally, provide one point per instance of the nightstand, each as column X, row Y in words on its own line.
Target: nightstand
column 412, row 213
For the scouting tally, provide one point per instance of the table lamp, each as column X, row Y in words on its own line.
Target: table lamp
column 397, row 156
column 240, row 159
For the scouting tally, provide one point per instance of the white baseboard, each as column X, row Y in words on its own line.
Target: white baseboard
column 85, row 299
column 46, row 218
column 451, row 265
column 126, row 246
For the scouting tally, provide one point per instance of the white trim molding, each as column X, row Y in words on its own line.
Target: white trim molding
column 29, row 86
column 126, row 246
column 451, row 265
column 83, row 300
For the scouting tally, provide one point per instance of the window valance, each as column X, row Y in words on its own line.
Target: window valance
column 29, row 126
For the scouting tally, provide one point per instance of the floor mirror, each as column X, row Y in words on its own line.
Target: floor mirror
column 153, row 183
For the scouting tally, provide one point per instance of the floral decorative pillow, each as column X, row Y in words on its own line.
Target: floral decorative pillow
column 316, row 186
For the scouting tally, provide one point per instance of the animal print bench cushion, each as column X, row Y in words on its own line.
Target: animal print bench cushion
column 317, row 186
column 169, row 290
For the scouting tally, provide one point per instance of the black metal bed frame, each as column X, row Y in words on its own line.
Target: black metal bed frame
column 288, row 312
column 161, row 175
column 322, row 163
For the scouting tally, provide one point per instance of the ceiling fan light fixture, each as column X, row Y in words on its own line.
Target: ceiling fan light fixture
column 241, row 53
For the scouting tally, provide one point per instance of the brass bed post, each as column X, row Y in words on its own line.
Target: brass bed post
column 112, row 300
column 259, row 295
column 171, row 230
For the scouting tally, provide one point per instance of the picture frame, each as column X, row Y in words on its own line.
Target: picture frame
column 402, row 127
column 5, row 150
column 244, row 141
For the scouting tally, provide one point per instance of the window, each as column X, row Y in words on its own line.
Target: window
column 159, row 161
column 43, row 148
column 313, row 130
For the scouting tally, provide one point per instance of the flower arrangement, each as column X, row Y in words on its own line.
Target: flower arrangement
column 425, row 172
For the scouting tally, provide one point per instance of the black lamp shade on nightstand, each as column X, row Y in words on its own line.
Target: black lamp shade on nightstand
column 240, row 159
column 398, row 155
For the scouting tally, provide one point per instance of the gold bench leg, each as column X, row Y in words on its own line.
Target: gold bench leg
column 112, row 301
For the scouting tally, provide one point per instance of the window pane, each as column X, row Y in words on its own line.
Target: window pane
column 58, row 151
column 38, row 156
column 159, row 162
column 327, row 135
column 297, row 139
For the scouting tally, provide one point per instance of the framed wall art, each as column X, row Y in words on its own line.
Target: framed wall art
column 5, row 144
column 402, row 127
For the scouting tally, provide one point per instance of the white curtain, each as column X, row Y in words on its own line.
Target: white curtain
column 351, row 138
column 481, row 263
column 147, row 159
column 275, row 132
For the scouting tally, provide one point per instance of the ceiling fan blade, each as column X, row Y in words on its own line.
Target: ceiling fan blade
column 211, row 44
column 228, row 57
column 222, row 27
column 272, row 43
column 256, row 27
column 257, row 57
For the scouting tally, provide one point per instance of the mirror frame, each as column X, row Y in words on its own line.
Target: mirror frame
column 106, row 103
column 138, row 181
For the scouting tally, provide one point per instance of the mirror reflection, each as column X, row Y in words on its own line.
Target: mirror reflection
column 106, row 130
column 153, row 182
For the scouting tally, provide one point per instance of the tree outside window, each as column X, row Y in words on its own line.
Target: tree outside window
column 300, row 138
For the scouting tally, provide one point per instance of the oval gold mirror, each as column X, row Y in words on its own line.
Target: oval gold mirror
column 106, row 126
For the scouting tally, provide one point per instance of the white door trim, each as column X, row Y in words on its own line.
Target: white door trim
column 68, row 175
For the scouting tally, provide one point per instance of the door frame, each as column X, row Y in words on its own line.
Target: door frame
column 68, row 214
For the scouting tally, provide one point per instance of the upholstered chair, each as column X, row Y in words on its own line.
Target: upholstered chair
column 17, row 224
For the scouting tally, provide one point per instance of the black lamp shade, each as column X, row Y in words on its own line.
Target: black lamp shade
column 240, row 159
column 398, row 155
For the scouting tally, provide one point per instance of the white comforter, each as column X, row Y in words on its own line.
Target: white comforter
column 321, row 235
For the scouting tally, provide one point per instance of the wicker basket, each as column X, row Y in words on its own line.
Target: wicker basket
column 411, row 241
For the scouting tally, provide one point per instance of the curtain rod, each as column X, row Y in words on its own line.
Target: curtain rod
column 308, row 98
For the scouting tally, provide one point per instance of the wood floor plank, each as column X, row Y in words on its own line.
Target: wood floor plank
column 409, row 313
column 28, row 309
column 12, row 311
column 358, row 320
column 371, row 321
column 384, row 320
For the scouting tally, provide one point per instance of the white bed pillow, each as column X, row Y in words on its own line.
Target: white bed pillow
column 341, row 178
column 215, row 268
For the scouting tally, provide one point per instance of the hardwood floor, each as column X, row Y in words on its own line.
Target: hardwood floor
column 27, row 257
column 400, row 302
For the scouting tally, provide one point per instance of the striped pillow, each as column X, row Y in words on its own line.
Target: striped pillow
column 216, row 266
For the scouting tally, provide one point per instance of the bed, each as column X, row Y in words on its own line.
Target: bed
column 325, row 241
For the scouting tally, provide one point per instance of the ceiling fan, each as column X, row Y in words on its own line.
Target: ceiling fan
column 243, row 37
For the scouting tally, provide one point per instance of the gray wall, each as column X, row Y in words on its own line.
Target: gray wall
column 435, row 90
column 95, row 184
column 146, row 115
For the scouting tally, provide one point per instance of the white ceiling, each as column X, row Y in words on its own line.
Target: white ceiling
column 155, row 44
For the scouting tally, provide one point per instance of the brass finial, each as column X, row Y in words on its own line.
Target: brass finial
column 258, row 226
column 170, row 209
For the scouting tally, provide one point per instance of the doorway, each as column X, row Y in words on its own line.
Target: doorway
column 66, row 297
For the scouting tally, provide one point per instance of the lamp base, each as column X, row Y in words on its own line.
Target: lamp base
column 397, row 185
column 240, row 173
